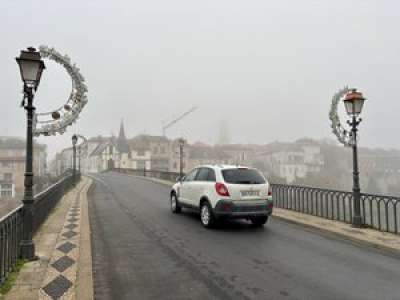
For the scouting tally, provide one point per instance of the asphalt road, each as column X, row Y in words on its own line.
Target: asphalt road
column 143, row 251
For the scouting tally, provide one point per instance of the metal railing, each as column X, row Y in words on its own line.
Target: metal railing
column 378, row 211
column 164, row 175
column 11, row 225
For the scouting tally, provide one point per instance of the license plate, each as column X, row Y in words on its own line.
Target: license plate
column 250, row 193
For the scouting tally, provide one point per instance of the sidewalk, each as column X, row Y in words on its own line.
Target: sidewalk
column 366, row 237
column 63, row 270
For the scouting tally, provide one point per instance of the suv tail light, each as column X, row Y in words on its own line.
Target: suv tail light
column 269, row 190
column 221, row 189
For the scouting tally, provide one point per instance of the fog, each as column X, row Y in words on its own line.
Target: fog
column 265, row 69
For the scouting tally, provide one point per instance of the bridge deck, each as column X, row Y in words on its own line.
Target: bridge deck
column 142, row 251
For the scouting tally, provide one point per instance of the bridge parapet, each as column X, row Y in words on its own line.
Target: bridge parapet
column 11, row 225
column 380, row 212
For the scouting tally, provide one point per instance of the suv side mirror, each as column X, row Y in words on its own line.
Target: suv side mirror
column 179, row 178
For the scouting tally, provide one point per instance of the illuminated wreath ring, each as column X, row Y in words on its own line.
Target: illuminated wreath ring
column 51, row 123
column 343, row 135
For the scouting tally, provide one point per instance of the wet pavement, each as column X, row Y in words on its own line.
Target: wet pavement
column 143, row 251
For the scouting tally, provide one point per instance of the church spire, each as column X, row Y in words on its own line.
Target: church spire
column 122, row 142
column 121, row 135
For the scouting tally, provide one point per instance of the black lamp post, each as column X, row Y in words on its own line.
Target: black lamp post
column 79, row 159
column 181, row 146
column 31, row 67
column 74, row 141
column 354, row 102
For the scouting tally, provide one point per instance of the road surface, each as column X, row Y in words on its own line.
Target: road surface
column 143, row 251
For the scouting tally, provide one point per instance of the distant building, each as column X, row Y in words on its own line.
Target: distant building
column 206, row 155
column 237, row 154
column 12, row 165
column 293, row 160
column 159, row 148
column 380, row 171
column 175, row 157
column 140, row 157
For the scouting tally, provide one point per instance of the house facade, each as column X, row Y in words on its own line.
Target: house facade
column 293, row 160
column 12, row 165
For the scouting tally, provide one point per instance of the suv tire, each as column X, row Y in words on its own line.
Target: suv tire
column 259, row 221
column 175, row 206
column 206, row 215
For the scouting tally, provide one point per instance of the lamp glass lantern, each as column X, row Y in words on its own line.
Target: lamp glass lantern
column 31, row 67
column 354, row 102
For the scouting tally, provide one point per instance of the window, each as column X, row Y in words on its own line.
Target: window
column 243, row 176
column 191, row 176
column 205, row 174
column 7, row 176
column 6, row 164
column 202, row 175
column 6, row 190
column 140, row 153
column 140, row 164
column 211, row 175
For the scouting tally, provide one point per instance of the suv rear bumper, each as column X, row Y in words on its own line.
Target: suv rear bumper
column 230, row 209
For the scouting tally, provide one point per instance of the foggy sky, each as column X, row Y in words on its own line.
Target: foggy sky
column 268, row 69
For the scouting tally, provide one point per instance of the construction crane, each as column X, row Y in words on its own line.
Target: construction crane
column 165, row 127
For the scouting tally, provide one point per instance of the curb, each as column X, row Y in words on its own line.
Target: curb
column 355, row 241
column 84, row 286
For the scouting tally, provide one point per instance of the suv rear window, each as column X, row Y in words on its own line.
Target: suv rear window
column 242, row 176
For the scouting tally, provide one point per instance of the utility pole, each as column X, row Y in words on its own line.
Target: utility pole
column 181, row 154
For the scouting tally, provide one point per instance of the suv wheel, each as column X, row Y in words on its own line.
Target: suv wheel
column 206, row 215
column 175, row 207
column 259, row 221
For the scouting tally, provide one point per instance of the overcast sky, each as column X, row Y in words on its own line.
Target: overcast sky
column 268, row 68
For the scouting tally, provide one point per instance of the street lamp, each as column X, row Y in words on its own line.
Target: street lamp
column 354, row 102
column 74, row 141
column 181, row 145
column 31, row 68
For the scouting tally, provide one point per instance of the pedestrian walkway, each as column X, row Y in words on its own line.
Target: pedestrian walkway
column 365, row 236
column 63, row 270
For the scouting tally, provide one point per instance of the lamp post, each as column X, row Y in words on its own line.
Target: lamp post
column 181, row 146
column 74, row 141
column 354, row 102
column 31, row 67
column 79, row 159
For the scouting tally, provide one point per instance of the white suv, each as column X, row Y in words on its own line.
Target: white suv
column 224, row 192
